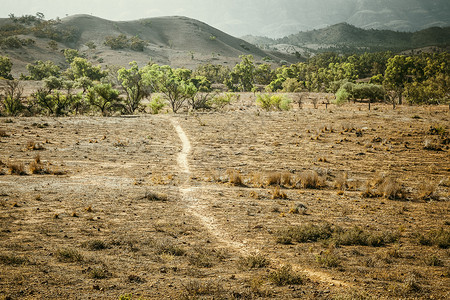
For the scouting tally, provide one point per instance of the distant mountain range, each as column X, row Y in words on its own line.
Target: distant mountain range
column 344, row 37
column 279, row 18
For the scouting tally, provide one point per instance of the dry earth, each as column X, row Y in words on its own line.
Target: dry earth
column 153, row 206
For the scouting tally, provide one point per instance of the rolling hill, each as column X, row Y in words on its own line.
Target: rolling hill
column 344, row 37
column 177, row 41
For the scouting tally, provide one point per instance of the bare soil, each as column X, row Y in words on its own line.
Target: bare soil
column 150, row 205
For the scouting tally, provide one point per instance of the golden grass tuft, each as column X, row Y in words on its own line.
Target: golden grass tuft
column 311, row 180
column 277, row 193
column 235, row 178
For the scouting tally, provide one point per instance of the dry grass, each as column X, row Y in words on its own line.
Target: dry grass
column 285, row 276
column 16, row 169
column 138, row 244
column 277, row 193
column 235, row 178
column 311, row 180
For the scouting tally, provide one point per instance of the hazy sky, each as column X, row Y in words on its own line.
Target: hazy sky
column 262, row 17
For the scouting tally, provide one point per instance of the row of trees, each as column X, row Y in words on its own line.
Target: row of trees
column 423, row 78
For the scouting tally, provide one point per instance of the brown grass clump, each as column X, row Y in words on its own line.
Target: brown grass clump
column 384, row 186
column 16, row 169
column 286, row 179
column 340, row 182
column 427, row 191
column 277, row 193
column 3, row 133
column 36, row 167
column 311, row 180
column 69, row 255
column 273, row 178
column 235, row 178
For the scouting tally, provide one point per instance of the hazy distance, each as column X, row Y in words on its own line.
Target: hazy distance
column 257, row 17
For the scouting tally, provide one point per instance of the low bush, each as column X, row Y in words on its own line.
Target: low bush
column 285, row 276
column 253, row 261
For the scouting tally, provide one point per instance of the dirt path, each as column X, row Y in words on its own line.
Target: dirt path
column 200, row 211
column 194, row 205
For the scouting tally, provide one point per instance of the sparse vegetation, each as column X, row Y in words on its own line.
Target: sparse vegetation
column 69, row 255
column 285, row 276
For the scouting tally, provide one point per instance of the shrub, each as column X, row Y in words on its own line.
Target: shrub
column 311, row 180
column 156, row 105
column 234, row 178
column 305, row 233
column 167, row 247
column 11, row 259
column 69, row 255
column 95, row 245
column 273, row 102
column 197, row 288
column 285, row 276
column 255, row 261
column 328, row 259
column 16, row 169
column 440, row 238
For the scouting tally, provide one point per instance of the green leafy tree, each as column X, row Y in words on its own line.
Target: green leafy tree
column 40, row 70
column 396, row 74
column 81, row 67
column 104, row 97
column 71, row 54
column 167, row 81
column 119, row 42
column 5, row 67
column 134, row 85
column 242, row 77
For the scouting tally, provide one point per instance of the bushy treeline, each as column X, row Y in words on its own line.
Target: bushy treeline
column 83, row 87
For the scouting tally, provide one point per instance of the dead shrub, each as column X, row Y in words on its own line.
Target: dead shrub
column 286, row 179
column 235, row 178
column 277, row 193
column 384, row 186
column 16, row 169
column 273, row 178
column 311, row 180
column 427, row 191
column 340, row 182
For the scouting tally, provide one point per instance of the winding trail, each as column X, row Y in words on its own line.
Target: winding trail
column 200, row 211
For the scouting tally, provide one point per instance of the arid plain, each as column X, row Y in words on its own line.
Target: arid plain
column 329, row 203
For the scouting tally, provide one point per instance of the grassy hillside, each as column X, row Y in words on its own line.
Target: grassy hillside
column 177, row 41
